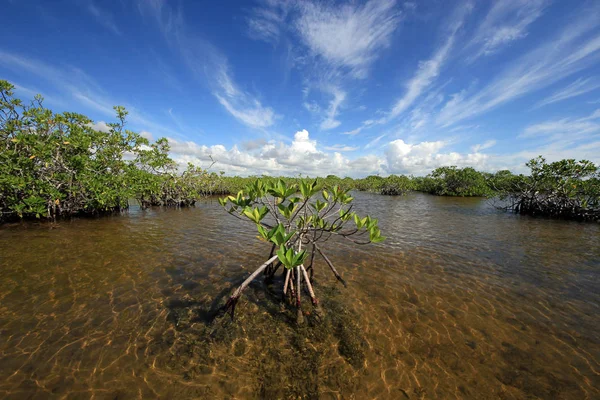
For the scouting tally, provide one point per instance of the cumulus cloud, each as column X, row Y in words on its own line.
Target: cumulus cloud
column 100, row 126
column 421, row 158
column 302, row 156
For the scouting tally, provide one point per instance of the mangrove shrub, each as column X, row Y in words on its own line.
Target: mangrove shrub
column 56, row 164
column 566, row 189
column 453, row 181
column 295, row 218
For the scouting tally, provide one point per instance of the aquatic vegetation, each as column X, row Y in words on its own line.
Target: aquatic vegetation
column 564, row 189
column 55, row 165
column 293, row 218
column 395, row 185
column 157, row 182
column 371, row 183
column 453, row 181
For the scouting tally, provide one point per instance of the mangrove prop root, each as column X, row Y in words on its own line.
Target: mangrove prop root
column 310, row 266
column 311, row 292
column 299, row 316
column 230, row 305
column 285, row 285
column 270, row 266
column 331, row 266
column 291, row 285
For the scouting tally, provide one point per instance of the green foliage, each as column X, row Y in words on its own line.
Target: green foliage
column 395, row 185
column 504, row 180
column 371, row 183
column 563, row 189
column 453, row 181
column 293, row 213
column 58, row 165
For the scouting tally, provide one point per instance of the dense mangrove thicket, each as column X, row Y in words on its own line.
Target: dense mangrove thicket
column 57, row 165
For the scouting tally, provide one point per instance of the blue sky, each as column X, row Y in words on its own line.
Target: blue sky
column 349, row 88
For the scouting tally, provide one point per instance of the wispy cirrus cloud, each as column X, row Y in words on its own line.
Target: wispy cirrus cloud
column 348, row 36
column 330, row 120
column 73, row 85
column 429, row 70
column 209, row 65
column 506, row 22
column 343, row 37
column 241, row 105
column 268, row 21
column 566, row 129
column 484, row 146
column 576, row 47
column 336, row 43
column 103, row 17
column 576, row 88
column 341, row 147
column 375, row 141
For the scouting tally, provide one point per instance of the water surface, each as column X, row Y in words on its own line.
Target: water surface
column 461, row 301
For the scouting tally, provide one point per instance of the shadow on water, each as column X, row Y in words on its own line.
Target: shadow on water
column 460, row 302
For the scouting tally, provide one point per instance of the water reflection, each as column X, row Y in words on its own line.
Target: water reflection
column 460, row 301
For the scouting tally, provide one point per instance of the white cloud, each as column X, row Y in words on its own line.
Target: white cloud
column 572, row 50
column 104, row 18
column 348, row 36
column 147, row 135
column 252, row 114
column 429, row 70
column 426, row 73
column 207, row 63
column 312, row 107
column 266, row 23
column 566, row 130
column 375, row 141
column 486, row 145
column 506, row 22
column 170, row 21
column 277, row 158
column 74, row 84
column 341, row 147
column 577, row 88
column 353, row 132
column 421, row 158
column 330, row 121
column 100, row 126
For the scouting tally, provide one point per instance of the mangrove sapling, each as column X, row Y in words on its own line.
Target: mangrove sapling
column 294, row 217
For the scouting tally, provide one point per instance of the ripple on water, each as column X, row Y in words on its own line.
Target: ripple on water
column 459, row 302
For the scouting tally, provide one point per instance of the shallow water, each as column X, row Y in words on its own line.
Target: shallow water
column 461, row 301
